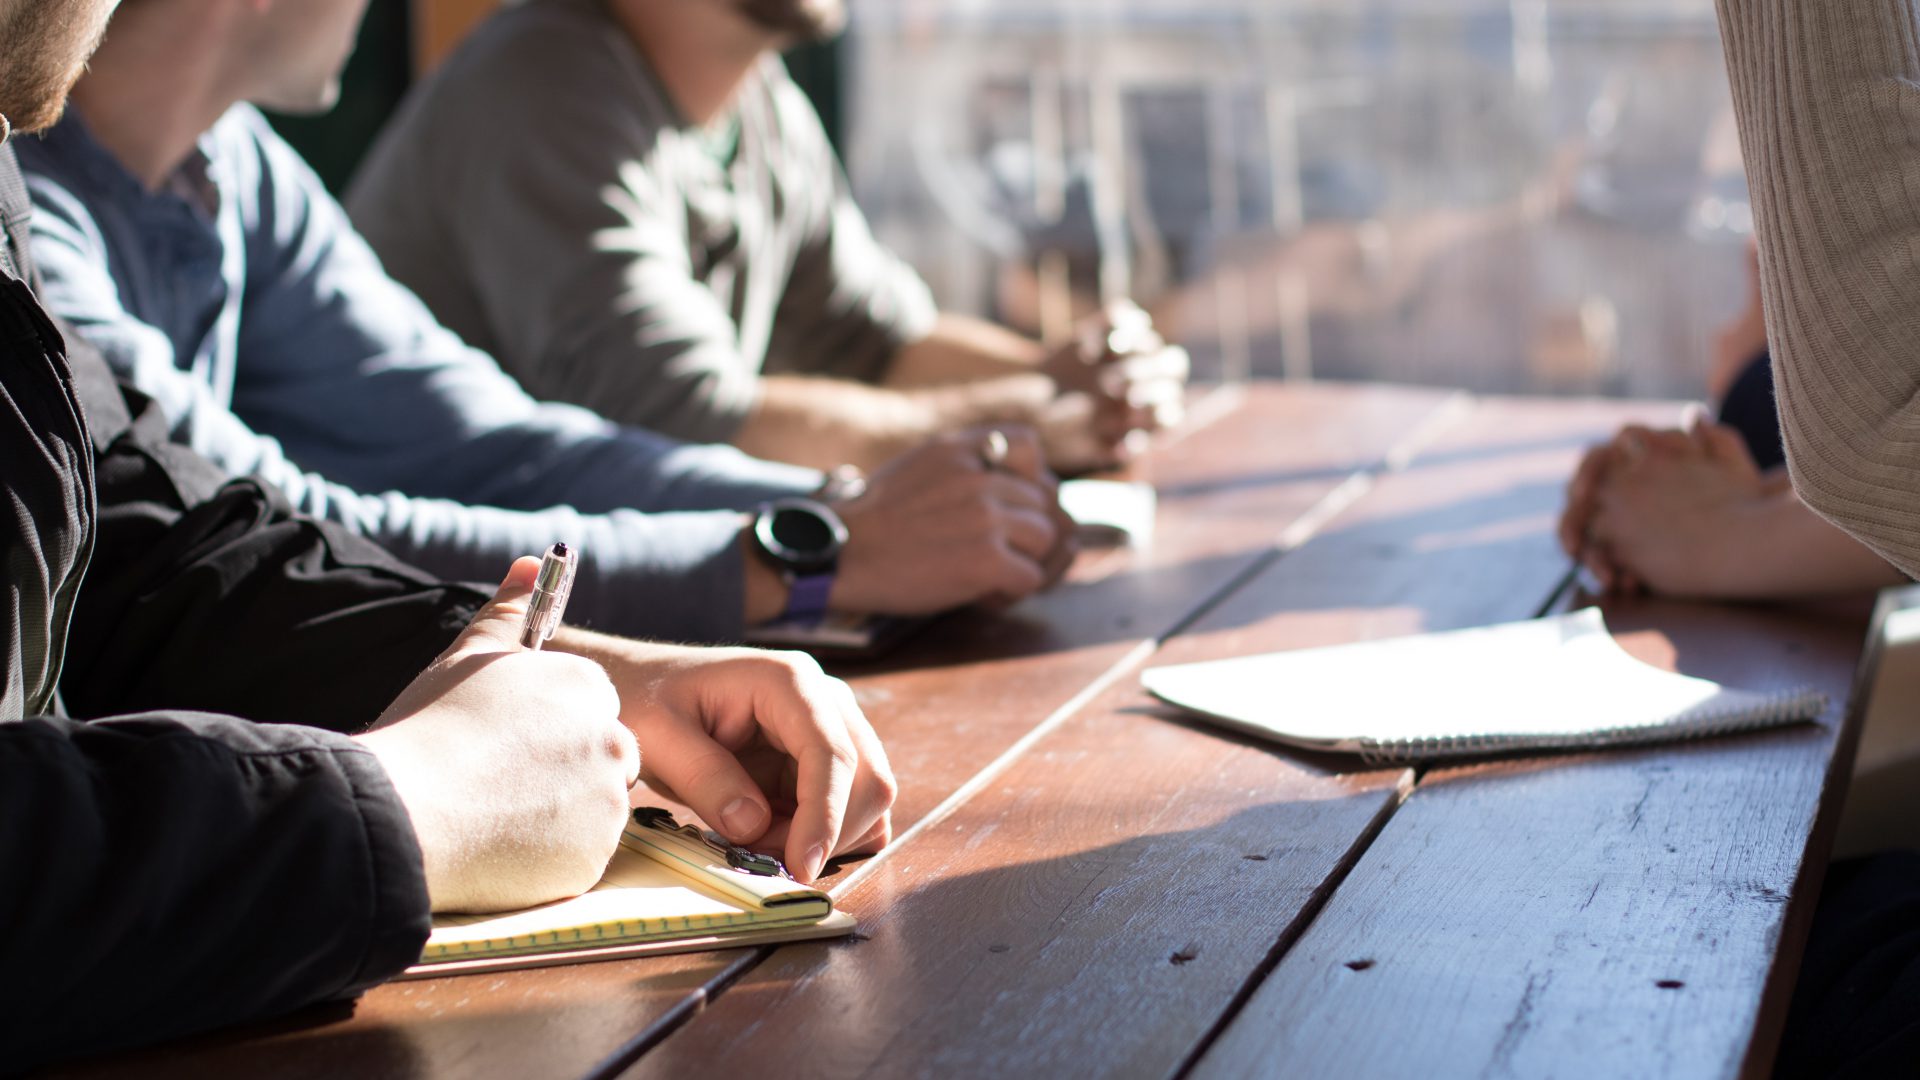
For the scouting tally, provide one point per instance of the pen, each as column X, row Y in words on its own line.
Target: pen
column 549, row 600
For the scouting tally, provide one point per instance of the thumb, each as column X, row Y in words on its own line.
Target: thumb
column 497, row 627
column 709, row 778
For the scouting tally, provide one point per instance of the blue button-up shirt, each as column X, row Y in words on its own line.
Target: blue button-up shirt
column 239, row 297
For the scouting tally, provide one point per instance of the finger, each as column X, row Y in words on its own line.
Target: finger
column 1127, row 330
column 873, row 839
column 822, row 791
column 801, row 712
column 1148, row 396
column 1032, row 533
column 874, row 788
column 1017, row 493
column 1011, row 575
column 1631, row 443
column 1025, row 457
column 1113, row 422
column 774, row 841
column 1166, row 367
column 1140, row 409
column 1672, row 442
column 709, row 779
column 1603, row 571
column 1581, row 491
column 497, row 626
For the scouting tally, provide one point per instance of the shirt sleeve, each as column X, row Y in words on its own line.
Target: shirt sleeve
column 1827, row 96
column 850, row 304
column 211, row 594
column 264, row 867
column 259, row 868
column 670, row 573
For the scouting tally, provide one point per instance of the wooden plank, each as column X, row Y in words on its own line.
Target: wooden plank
column 1100, row 906
column 949, row 705
column 1620, row 914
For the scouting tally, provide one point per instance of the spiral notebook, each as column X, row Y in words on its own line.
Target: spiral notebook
column 1559, row 683
column 669, row 888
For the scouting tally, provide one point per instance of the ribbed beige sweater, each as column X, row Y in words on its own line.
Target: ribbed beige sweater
column 1827, row 93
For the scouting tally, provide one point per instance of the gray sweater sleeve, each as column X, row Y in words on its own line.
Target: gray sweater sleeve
column 1827, row 95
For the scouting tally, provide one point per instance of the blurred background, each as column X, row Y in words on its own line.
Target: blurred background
column 1539, row 196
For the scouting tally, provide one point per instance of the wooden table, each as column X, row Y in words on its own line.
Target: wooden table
column 1089, row 885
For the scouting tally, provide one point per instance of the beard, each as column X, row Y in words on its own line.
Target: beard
column 43, row 50
column 800, row 22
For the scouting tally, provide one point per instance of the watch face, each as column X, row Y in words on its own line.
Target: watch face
column 800, row 534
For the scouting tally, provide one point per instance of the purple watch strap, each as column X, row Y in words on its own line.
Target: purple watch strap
column 807, row 599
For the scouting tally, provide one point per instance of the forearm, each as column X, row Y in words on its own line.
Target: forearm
column 964, row 349
column 1825, row 94
column 826, row 423
column 1785, row 551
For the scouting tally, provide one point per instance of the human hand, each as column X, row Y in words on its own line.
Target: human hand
column 1583, row 488
column 1576, row 529
column 1671, row 512
column 939, row 527
column 1116, row 378
column 513, row 765
column 766, row 748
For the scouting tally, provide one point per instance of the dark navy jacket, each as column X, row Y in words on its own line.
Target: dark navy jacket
column 187, row 836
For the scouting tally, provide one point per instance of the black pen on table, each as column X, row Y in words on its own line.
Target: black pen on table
column 549, row 600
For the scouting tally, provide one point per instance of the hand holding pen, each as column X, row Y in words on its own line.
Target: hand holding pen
column 494, row 743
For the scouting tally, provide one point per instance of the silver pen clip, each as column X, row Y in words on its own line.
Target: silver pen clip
column 549, row 600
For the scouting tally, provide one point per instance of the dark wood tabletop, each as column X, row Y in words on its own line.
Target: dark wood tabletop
column 1087, row 883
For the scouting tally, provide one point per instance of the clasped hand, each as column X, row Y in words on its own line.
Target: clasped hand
column 1659, row 510
column 1117, row 377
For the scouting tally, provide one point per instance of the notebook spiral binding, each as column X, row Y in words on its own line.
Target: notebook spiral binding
column 1704, row 721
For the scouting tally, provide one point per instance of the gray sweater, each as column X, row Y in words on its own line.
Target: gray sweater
column 1827, row 93
column 550, row 203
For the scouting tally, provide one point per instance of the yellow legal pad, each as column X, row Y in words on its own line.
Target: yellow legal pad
column 664, row 891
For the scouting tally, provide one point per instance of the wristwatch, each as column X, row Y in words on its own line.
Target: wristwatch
column 802, row 539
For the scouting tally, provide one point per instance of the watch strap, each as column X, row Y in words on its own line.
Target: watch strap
column 807, row 597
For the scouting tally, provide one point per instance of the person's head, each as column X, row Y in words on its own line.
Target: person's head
column 44, row 45
column 285, row 55
column 796, row 22
column 294, row 50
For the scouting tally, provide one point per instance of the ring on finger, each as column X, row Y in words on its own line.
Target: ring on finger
column 994, row 451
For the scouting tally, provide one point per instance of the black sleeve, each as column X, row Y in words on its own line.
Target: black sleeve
column 213, row 595
column 169, row 873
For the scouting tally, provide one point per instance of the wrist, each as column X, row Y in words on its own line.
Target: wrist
column 765, row 589
column 412, row 785
column 801, row 540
